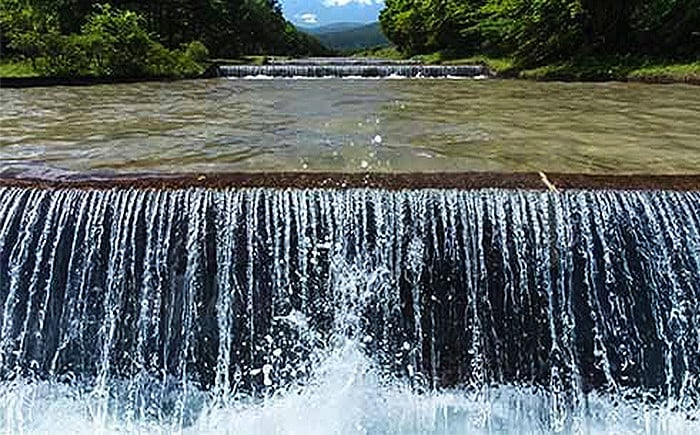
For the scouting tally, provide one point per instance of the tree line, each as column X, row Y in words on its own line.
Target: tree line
column 69, row 37
column 539, row 31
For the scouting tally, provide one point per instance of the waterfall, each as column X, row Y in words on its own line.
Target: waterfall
column 157, row 305
column 352, row 70
column 341, row 61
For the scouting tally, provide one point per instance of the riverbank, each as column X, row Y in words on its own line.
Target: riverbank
column 17, row 69
column 601, row 70
column 624, row 69
column 21, row 74
column 593, row 70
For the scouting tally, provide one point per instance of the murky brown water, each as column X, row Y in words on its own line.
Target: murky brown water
column 350, row 125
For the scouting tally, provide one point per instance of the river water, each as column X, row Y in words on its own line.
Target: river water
column 350, row 125
column 349, row 311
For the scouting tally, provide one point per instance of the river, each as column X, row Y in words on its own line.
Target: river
column 350, row 125
column 128, row 308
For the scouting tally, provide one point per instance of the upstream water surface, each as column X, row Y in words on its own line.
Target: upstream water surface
column 349, row 311
column 350, row 125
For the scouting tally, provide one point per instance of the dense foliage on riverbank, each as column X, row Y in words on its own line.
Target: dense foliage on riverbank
column 145, row 38
column 540, row 32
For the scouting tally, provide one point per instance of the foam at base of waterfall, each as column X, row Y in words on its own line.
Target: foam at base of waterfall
column 347, row 395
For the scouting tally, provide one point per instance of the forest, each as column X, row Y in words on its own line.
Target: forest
column 537, row 32
column 143, row 38
column 174, row 38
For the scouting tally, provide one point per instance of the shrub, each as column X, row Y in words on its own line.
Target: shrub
column 162, row 62
column 112, row 43
column 197, row 51
column 534, row 32
column 22, row 26
column 118, row 41
column 63, row 56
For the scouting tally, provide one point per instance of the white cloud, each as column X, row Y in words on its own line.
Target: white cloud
column 337, row 3
column 308, row 18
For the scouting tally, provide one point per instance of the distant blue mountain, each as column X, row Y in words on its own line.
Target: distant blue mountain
column 348, row 36
column 330, row 28
column 312, row 13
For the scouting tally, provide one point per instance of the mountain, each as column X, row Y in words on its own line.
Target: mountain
column 331, row 28
column 348, row 36
column 312, row 13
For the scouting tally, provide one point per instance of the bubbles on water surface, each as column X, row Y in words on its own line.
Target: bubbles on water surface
column 349, row 395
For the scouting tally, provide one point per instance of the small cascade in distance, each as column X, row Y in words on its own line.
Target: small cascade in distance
column 164, row 306
column 352, row 68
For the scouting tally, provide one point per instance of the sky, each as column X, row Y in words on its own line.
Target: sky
column 312, row 13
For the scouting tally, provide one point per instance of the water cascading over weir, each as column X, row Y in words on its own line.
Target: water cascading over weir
column 352, row 68
column 160, row 301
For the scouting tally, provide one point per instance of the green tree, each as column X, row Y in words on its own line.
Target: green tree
column 534, row 32
column 539, row 31
column 22, row 25
column 421, row 26
column 118, row 41
column 227, row 27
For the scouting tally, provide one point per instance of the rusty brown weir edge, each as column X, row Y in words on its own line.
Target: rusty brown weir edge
column 388, row 181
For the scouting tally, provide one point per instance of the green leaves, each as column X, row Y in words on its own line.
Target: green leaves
column 119, row 43
column 63, row 55
column 537, row 32
column 120, row 33
column 423, row 26
column 534, row 32
column 111, row 43
column 197, row 51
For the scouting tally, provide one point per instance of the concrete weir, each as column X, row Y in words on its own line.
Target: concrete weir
column 166, row 300
column 386, row 181
column 341, row 61
column 321, row 70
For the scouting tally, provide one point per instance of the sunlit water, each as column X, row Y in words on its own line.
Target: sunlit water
column 350, row 125
column 349, row 312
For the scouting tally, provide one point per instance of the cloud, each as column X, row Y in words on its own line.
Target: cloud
column 307, row 18
column 338, row 3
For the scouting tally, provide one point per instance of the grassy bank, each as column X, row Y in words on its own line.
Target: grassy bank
column 583, row 69
column 22, row 74
column 643, row 70
column 666, row 73
column 502, row 66
column 24, row 69
column 380, row 52
column 249, row 60
column 14, row 69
